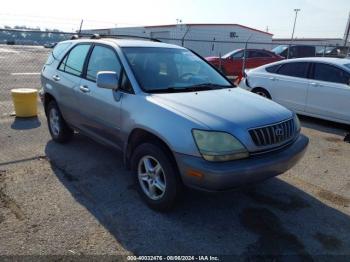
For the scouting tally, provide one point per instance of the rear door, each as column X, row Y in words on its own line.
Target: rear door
column 257, row 58
column 329, row 92
column 67, row 79
column 100, row 107
column 289, row 85
column 233, row 64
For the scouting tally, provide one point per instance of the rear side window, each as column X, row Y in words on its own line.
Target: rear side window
column 102, row 59
column 58, row 52
column 272, row 69
column 73, row 63
column 258, row 54
column 294, row 69
column 329, row 73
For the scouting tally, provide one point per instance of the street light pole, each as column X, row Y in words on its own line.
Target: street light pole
column 295, row 21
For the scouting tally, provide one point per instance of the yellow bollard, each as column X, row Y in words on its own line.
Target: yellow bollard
column 25, row 101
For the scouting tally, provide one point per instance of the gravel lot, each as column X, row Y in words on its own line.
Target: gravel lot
column 79, row 199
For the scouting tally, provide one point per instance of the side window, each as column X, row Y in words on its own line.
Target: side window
column 272, row 69
column 294, row 69
column 257, row 54
column 237, row 55
column 329, row 73
column 58, row 52
column 264, row 54
column 73, row 63
column 125, row 84
column 102, row 59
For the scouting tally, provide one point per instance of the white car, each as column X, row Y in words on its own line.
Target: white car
column 317, row 87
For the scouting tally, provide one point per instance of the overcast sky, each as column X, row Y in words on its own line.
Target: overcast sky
column 317, row 18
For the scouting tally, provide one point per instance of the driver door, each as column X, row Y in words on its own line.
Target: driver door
column 101, row 107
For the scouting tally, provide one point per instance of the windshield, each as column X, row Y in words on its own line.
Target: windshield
column 279, row 49
column 172, row 69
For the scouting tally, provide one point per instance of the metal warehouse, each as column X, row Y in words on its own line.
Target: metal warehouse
column 205, row 39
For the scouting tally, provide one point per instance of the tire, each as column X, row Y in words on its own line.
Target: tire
column 150, row 183
column 59, row 130
column 262, row 92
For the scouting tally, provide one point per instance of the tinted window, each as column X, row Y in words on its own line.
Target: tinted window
column 257, row 54
column 330, row 73
column 294, row 69
column 272, row 69
column 102, row 59
column 73, row 63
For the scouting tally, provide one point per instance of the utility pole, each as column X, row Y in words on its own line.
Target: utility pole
column 81, row 25
column 347, row 31
column 295, row 21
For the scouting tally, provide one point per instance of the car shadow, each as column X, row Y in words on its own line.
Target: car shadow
column 261, row 222
column 324, row 125
column 25, row 123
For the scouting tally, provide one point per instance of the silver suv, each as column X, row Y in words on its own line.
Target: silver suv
column 175, row 118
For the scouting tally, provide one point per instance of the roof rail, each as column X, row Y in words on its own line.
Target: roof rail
column 98, row 36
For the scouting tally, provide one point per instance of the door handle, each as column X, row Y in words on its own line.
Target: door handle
column 84, row 89
column 56, row 77
column 273, row 78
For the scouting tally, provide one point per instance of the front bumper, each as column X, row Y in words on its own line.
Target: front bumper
column 218, row 176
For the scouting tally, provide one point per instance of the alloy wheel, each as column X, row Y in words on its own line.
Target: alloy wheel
column 151, row 177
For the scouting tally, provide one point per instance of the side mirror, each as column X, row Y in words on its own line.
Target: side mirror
column 107, row 80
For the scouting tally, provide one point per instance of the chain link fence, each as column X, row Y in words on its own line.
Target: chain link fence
column 23, row 53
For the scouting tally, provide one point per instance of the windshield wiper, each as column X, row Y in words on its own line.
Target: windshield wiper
column 165, row 90
column 206, row 86
column 192, row 88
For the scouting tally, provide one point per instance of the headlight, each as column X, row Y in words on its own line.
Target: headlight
column 219, row 146
column 297, row 123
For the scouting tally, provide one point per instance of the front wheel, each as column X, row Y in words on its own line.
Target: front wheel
column 262, row 92
column 156, row 176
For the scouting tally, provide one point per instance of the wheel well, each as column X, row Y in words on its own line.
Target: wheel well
column 139, row 136
column 255, row 89
column 47, row 99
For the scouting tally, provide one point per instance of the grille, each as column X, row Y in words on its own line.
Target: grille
column 273, row 134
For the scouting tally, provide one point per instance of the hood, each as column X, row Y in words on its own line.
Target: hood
column 230, row 110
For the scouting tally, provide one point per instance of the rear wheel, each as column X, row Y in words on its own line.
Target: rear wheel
column 156, row 176
column 59, row 130
column 262, row 92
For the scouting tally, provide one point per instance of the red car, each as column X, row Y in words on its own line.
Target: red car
column 232, row 62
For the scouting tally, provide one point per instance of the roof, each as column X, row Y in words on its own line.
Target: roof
column 330, row 60
column 127, row 42
column 333, row 60
column 307, row 39
column 242, row 26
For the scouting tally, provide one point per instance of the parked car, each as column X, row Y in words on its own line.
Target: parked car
column 174, row 117
column 317, row 87
column 295, row 51
column 231, row 64
column 339, row 51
